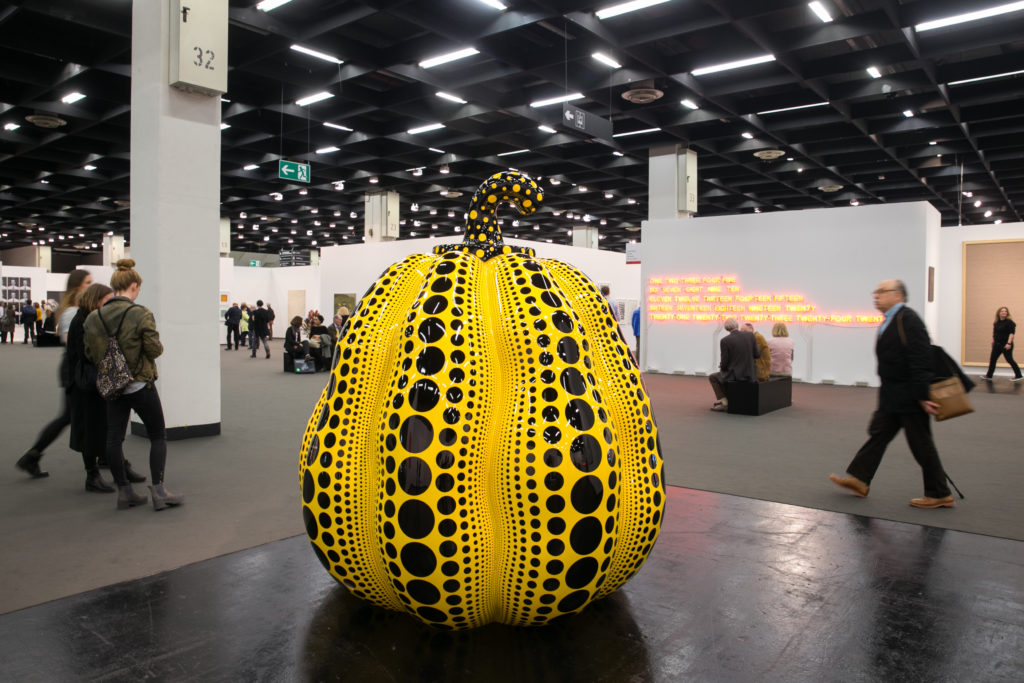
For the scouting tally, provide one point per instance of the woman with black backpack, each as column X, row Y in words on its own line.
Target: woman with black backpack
column 122, row 335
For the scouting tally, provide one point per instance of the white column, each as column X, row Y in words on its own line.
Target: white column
column 175, row 224
column 380, row 216
column 585, row 236
column 671, row 182
column 113, row 249
column 44, row 258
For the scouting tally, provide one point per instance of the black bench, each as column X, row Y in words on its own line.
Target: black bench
column 758, row 398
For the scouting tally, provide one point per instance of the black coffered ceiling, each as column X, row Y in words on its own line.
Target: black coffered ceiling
column 961, row 138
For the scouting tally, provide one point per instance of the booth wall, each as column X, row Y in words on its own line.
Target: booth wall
column 353, row 268
column 949, row 285
column 834, row 257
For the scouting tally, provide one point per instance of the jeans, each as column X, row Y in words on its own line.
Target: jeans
column 146, row 404
column 30, row 328
column 255, row 343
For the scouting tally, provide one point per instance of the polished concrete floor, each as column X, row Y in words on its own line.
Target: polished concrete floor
column 735, row 590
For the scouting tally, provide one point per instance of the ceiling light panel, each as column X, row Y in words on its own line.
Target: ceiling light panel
column 557, row 100
column 820, row 11
column 316, row 53
column 874, row 72
column 315, row 97
column 802, row 106
column 425, row 129
column 268, row 5
column 450, row 97
column 72, row 97
column 738, row 64
column 449, row 57
column 689, row 104
column 606, row 60
column 627, row 7
column 636, row 132
column 970, row 16
column 987, row 78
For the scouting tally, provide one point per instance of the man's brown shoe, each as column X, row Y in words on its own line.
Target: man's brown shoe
column 852, row 484
column 929, row 503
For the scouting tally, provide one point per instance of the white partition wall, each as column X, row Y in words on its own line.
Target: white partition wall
column 833, row 258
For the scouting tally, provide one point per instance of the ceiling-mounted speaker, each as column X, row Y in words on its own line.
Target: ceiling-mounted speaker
column 46, row 120
column 643, row 93
column 768, row 154
column 830, row 188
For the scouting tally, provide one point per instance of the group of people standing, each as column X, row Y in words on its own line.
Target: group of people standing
column 249, row 325
column 91, row 318
column 37, row 319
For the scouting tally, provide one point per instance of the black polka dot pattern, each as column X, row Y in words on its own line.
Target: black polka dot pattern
column 485, row 450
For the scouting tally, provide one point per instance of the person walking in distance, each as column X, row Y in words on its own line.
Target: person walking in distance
column 135, row 330
column 232, row 318
column 904, row 357
column 1003, row 332
column 271, row 316
column 260, row 329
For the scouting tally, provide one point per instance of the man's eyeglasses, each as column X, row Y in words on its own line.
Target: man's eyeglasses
column 879, row 292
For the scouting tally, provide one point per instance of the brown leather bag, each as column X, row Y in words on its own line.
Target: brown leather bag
column 951, row 397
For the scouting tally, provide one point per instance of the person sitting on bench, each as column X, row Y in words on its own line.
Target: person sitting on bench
column 294, row 345
column 764, row 354
column 739, row 350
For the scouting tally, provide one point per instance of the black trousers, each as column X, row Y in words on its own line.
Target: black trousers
column 917, row 428
column 146, row 404
column 30, row 328
column 1007, row 353
column 55, row 426
column 232, row 329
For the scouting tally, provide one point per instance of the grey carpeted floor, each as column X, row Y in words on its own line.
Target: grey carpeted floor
column 242, row 491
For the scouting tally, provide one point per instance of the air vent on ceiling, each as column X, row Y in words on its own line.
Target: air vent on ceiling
column 830, row 188
column 451, row 193
column 46, row 120
column 633, row 228
column 123, row 202
column 642, row 95
column 768, row 154
column 27, row 224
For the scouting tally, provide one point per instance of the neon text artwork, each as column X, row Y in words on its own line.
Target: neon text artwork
column 713, row 298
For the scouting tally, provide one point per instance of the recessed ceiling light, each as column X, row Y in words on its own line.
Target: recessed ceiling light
column 225, row 126
column 546, row 129
column 327, row 150
column 606, row 60
column 445, row 169
column 631, row 201
column 907, row 113
column 337, row 126
column 738, row 64
column 517, row 151
column 970, row 16
column 636, row 132
column 820, row 10
column 987, row 78
column 72, row 97
column 689, row 104
column 89, row 167
column 302, row 192
column 435, row 149
column 789, row 158
column 316, row 97
column 608, row 195
column 319, row 55
column 802, row 106
column 557, row 100
column 494, row 3
column 374, row 179
column 932, row 142
column 618, row 153
column 998, row 221
column 988, row 214
column 626, row 7
column 267, row 5
column 874, row 72
column 977, row 204
column 747, row 135
column 425, row 129
column 449, row 57
column 11, row 126
column 250, row 167
column 450, row 97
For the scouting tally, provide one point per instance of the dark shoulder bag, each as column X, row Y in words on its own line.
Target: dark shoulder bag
column 112, row 373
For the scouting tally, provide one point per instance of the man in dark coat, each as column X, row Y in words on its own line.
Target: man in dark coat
column 905, row 370
column 739, row 350
column 232, row 317
column 259, row 329
column 28, row 321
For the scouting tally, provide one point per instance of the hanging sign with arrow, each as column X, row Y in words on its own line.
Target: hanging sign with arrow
column 293, row 170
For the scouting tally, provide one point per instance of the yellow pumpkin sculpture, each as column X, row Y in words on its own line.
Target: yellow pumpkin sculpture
column 485, row 450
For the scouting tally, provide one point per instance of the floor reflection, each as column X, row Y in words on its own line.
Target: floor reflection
column 349, row 639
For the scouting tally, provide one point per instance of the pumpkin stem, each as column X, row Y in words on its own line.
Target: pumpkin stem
column 483, row 236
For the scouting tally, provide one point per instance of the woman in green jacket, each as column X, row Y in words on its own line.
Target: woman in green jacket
column 135, row 329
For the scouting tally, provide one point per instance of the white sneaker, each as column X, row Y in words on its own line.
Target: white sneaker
column 1017, row 379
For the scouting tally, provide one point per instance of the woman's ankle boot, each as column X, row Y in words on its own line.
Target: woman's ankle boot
column 127, row 498
column 30, row 463
column 132, row 476
column 94, row 482
column 162, row 497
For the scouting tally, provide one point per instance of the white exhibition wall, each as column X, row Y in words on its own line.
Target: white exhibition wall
column 949, row 288
column 833, row 257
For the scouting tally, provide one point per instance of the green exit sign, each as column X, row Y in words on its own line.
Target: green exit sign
column 255, row 264
column 293, row 170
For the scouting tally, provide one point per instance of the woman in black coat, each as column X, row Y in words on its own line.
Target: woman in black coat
column 294, row 345
column 1003, row 332
column 88, row 409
